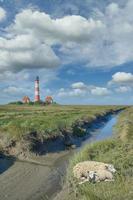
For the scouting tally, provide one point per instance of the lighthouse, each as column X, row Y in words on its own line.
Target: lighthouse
column 37, row 92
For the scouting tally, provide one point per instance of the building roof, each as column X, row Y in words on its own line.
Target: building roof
column 48, row 99
column 26, row 99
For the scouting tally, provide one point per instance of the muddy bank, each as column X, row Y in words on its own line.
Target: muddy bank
column 67, row 137
column 36, row 179
column 104, row 132
column 71, row 137
column 41, row 177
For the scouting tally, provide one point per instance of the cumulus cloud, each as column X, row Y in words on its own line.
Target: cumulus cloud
column 112, row 9
column 10, row 76
column 100, row 91
column 30, row 38
column 112, row 45
column 102, row 40
column 26, row 52
column 79, row 89
column 71, row 93
column 2, row 14
column 123, row 89
column 13, row 90
column 68, row 28
column 78, row 85
column 122, row 78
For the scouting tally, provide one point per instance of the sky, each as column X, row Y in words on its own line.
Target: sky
column 82, row 50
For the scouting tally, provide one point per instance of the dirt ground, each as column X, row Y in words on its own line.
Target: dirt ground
column 40, row 180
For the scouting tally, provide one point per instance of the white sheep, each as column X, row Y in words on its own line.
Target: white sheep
column 100, row 175
column 82, row 169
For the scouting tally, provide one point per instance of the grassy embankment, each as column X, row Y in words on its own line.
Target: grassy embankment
column 16, row 122
column 118, row 151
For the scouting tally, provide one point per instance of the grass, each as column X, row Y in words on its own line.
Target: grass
column 18, row 120
column 119, row 152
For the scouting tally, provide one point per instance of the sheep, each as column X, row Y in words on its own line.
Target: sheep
column 100, row 175
column 97, row 176
column 82, row 169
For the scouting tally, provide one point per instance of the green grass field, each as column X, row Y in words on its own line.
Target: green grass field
column 19, row 122
column 119, row 152
column 47, row 120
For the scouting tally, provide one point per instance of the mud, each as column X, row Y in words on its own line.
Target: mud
column 41, row 177
column 32, row 179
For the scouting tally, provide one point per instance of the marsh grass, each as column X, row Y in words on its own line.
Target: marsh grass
column 18, row 120
column 117, row 151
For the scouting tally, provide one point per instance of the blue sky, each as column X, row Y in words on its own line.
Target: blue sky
column 81, row 50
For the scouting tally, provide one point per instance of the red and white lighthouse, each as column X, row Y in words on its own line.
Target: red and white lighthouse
column 37, row 91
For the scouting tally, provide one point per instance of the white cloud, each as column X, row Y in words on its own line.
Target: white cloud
column 103, row 40
column 122, row 78
column 46, row 75
column 79, row 85
column 100, row 91
column 13, row 90
column 2, row 14
column 26, row 52
column 79, row 89
column 10, row 76
column 112, row 9
column 69, row 28
column 110, row 46
column 71, row 92
column 123, row 89
column 30, row 37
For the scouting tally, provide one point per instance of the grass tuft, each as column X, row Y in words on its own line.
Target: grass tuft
column 117, row 151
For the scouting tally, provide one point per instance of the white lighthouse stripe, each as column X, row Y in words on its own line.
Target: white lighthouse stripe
column 36, row 85
column 36, row 93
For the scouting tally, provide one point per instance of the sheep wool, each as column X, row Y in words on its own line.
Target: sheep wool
column 103, row 175
column 83, row 168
